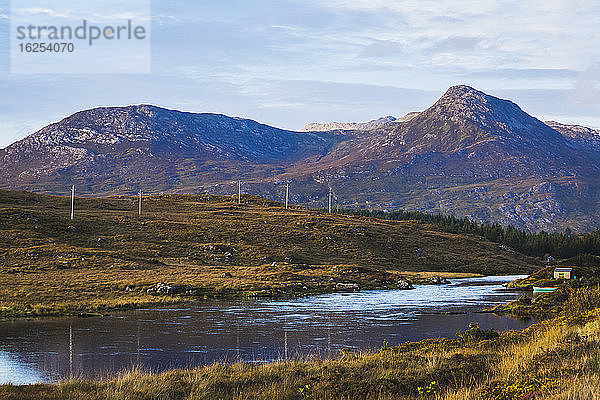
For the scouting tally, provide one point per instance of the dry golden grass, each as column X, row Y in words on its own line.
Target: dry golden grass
column 515, row 355
column 584, row 388
column 52, row 265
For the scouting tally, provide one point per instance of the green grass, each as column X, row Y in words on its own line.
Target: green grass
column 109, row 257
column 571, row 296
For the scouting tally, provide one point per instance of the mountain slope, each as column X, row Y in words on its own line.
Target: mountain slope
column 469, row 123
column 469, row 154
column 582, row 137
column 110, row 149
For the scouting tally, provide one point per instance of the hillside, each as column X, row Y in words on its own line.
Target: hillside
column 469, row 155
column 50, row 263
column 115, row 149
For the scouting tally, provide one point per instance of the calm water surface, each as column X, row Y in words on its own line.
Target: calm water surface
column 252, row 331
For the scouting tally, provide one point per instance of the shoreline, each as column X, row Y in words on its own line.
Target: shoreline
column 123, row 303
column 365, row 346
column 545, row 359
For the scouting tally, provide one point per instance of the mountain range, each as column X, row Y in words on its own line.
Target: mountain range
column 469, row 154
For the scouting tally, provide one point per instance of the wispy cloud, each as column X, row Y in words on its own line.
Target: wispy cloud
column 587, row 86
column 458, row 43
column 49, row 12
column 382, row 49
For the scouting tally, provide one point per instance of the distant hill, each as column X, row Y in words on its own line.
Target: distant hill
column 116, row 149
column 351, row 126
column 469, row 154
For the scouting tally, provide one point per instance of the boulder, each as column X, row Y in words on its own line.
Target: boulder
column 164, row 288
column 404, row 285
column 347, row 287
column 438, row 280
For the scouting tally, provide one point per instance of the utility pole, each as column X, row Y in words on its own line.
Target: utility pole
column 287, row 195
column 140, row 204
column 70, row 351
column 72, row 202
column 239, row 192
column 330, row 196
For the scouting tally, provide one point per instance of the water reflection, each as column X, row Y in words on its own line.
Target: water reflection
column 17, row 372
column 244, row 331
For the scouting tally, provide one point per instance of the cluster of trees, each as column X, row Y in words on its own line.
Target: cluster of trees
column 559, row 245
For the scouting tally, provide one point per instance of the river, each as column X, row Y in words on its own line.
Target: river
column 49, row 349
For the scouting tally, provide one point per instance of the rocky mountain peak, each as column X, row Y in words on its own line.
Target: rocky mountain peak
column 581, row 137
column 464, row 116
column 462, row 91
column 466, row 102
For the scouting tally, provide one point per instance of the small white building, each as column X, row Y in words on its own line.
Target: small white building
column 563, row 273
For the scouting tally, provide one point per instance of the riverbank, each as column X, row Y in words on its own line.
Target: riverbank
column 550, row 304
column 250, row 330
column 88, row 291
column 554, row 359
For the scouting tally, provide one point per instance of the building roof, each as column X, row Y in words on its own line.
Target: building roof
column 563, row 269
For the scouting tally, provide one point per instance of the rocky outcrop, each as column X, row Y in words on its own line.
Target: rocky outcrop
column 438, row 280
column 582, row 137
column 351, row 126
column 347, row 287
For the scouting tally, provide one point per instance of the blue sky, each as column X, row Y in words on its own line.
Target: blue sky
column 288, row 63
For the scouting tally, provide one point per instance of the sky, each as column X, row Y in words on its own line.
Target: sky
column 288, row 63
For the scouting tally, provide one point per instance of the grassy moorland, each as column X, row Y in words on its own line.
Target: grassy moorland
column 205, row 246
column 556, row 359
column 109, row 257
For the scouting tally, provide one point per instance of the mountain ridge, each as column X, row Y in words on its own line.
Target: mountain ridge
column 469, row 154
column 350, row 126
